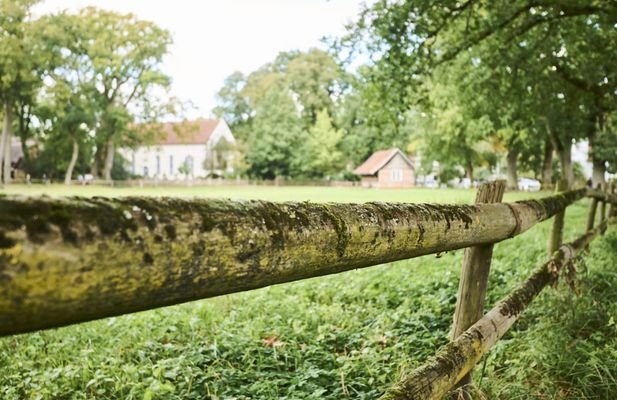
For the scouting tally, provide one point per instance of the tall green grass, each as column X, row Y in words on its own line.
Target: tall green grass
column 344, row 336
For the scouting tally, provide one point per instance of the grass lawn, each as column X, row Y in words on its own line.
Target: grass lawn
column 271, row 193
column 342, row 336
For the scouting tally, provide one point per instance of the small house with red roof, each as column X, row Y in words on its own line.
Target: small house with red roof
column 387, row 169
column 186, row 150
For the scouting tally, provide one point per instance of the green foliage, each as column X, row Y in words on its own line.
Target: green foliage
column 534, row 70
column 320, row 155
column 305, row 83
column 275, row 137
column 233, row 106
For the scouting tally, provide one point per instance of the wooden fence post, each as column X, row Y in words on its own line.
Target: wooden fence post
column 603, row 208
column 591, row 218
column 556, row 237
column 474, row 275
column 612, row 211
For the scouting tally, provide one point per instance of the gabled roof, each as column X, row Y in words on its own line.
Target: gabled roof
column 378, row 160
column 186, row 132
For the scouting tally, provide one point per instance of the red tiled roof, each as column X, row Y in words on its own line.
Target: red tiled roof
column 186, row 132
column 378, row 160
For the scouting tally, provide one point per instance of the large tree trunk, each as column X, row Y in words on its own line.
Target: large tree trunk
column 2, row 148
column 565, row 159
column 563, row 147
column 547, row 165
column 512, row 158
column 69, row 170
column 8, row 157
column 597, row 176
column 109, row 160
column 469, row 171
column 599, row 165
column 5, row 144
column 24, row 124
column 94, row 170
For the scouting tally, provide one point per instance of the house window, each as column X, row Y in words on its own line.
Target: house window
column 171, row 165
column 397, row 175
column 145, row 171
column 158, row 165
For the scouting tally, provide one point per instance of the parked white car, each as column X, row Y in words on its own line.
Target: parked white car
column 529, row 185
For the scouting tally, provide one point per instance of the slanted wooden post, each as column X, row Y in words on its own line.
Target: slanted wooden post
column 612, row 211
column 591, row 218
column 603, row 208
column 474, row 275
column 556, row 237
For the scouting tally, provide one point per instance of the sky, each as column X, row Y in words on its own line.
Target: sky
column 212, row 39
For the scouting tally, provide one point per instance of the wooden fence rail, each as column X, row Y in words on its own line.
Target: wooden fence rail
column 438, row 375
column 71, row 260
column 64, row 261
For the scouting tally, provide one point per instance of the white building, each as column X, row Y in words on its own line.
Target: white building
column 185, row 150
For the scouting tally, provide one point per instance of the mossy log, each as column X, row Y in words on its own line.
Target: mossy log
column 439, row 374
column 67, row 260
column 600, row 195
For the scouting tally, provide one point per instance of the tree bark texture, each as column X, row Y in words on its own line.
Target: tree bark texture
column 8, row 157
column 469, row 171
column 6, row 133
column 69, row 260
column 565, row 159
column 563, row 148
column 440, row 373
column 474, row 275
column 109, row 160
column 597, row 174
column 547, row 165
column 69, row 170
column 512, row 159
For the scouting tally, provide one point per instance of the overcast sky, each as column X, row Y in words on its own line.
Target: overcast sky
column 212, row 39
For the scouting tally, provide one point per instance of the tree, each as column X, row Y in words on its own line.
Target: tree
column 275, row 136
column 122, row 57
column 317, row 81
column 233, row 106
column 19, row 69
column 305, row 82
column 370, row 119
column 71, row 116
column 408, row 41
column 320, row 154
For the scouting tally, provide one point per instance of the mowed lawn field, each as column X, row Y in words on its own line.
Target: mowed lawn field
column 342, row 336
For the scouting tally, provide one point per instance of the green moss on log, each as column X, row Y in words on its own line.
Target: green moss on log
column 60, row 257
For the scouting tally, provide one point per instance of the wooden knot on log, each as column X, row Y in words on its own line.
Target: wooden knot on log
column 517, row 218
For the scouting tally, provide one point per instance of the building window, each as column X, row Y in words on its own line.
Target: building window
column 397, row 175
column 158, row 165
column 145, row 172
column 171, row 165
